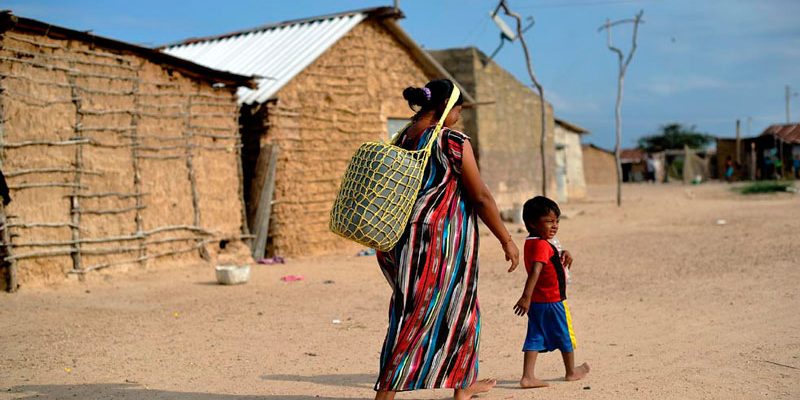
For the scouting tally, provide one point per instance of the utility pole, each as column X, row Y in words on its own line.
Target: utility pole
column 623, row 67
column 507, row 11
column 749, row 125
column 789, row 94
column 738, row 143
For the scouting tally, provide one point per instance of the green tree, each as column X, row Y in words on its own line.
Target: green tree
column 675, row 136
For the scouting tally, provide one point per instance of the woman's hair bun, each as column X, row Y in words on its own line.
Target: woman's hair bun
column 431, row 97
column 415, row 97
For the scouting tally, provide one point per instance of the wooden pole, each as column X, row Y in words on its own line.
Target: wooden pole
column 264, row 210
column 539, row 88
column 189, row 135
column 137, row 170
column 738, row 142
column 74, row 199
column 623, row 63
column 10, row 264
column 246, row 225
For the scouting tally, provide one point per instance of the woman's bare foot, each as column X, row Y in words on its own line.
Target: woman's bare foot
column 578, row 373
column 531, row 383
column 478, row 387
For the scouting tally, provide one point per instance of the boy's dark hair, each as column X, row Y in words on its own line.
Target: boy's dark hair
column 536, row 208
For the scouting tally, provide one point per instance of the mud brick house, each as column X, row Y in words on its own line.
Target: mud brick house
column 505, row 129
column 326, row 84
column 115, row 155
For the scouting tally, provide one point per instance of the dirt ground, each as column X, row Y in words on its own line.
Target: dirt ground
column 666, row 303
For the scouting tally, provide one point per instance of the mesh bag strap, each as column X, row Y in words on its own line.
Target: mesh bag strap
column 450, row 104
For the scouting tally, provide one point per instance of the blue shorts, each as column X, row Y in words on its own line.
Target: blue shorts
column 549, row 328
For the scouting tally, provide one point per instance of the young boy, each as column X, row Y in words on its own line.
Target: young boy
column 544, row 297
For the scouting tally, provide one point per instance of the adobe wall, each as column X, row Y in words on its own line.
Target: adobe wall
column 112, row 160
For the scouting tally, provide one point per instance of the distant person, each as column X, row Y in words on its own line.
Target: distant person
column 650, row 166
column 729, row 169
column 769, row 168
column 778, row 163
column 796, row 165
column 544, row 298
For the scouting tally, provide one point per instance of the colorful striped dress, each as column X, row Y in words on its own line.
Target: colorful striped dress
column 434, row 318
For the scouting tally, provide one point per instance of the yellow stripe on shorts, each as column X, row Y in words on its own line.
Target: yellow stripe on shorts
column 569, row 325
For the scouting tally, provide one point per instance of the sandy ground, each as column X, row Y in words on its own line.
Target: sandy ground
column 666, row 304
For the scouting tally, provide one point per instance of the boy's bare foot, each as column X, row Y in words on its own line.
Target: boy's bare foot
column 531, row 383
column 579, row 373
column 478, row 387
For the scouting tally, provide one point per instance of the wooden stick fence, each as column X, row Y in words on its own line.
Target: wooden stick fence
column 137, row 172
column 21, row 172
column 75, row 200
column 124, row 71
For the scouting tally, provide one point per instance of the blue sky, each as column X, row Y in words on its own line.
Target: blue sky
column 699, row 62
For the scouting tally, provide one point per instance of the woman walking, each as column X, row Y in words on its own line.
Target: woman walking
column 434, row 318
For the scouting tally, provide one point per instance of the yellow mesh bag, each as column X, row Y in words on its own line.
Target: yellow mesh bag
column 379, row 189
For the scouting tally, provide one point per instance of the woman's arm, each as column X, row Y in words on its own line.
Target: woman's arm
column 484, row 204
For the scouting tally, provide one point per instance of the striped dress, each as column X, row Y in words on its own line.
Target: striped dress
column 434, row 318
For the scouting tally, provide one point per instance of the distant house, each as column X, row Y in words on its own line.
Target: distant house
column 116, row 155
column 633, row 165
column 599, row 166
column 505, row 128
column 327, row 84
column 570, row 181
column 766, row 156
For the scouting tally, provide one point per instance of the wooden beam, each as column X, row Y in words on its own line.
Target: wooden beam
column 266, row 167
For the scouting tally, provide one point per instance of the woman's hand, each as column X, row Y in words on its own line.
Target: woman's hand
column 512, row 253
column 566, row 259
column 521, row 308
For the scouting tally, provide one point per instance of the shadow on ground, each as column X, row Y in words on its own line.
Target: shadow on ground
column 361, row 381
column 104, row 391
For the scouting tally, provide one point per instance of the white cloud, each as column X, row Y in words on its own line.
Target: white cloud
column 671, row 85
column 562, row 104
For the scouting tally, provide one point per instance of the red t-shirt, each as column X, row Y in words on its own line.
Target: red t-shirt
column 551, row 286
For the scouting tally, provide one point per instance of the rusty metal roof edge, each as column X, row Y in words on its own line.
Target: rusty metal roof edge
column 789, row 132
column 9, row 21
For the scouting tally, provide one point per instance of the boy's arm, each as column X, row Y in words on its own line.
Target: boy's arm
column 524, row 302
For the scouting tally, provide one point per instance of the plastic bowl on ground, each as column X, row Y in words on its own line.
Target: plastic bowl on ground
column 232, row 274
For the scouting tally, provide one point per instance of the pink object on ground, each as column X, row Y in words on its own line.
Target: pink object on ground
column 292, row 278
column 272, row 260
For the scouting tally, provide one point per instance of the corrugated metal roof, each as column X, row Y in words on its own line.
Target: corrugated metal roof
column 275, row 53
column 789, row 133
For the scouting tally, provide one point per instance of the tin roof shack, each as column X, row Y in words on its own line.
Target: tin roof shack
column 634, row 168
column 115, row 154
column 327, row 85
column 505, row 129
column 770, row 155
column 570, row 182
column 599, row 166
